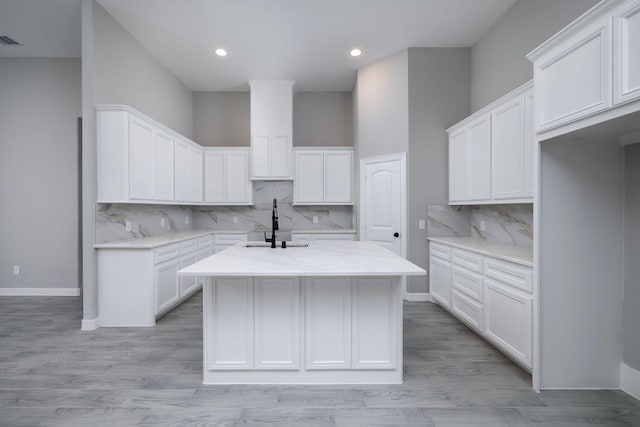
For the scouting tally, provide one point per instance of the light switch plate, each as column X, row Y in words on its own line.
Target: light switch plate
column 235, row 219
column 127, row 226
column 483, row 226
column 16, row 270
column 163, row 222
column 315, row 219
column 421, row 224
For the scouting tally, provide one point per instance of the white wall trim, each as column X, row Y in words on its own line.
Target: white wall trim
column 418, row 296
column 90, row 324
column 50, row 292
column 630, row 380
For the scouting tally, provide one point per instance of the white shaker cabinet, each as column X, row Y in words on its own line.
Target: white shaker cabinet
column 440, row 274
column 188, row 161
column 271, row 129
column 323, row 177
column 507, row 150
column 167, row 285
column 226, row 173
column 626, row 54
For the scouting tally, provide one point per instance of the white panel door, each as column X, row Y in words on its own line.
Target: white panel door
column 280, row 156
column 382, row 208
column 574, row 81
column 237, row 179
column 167, row 287
column 163, row 164
column 479, row 146
column 260, row 156
column 458, row 165
column 277, row 323
column 440, row 281
column 182, row 173
column 338, row 176
column 141, row 152
column 529, row 144
column 215, row 177
column 308, row 182
column 195, row 168
column 188, row 284
column 374, row 324
column 508, row 319
column 229, row 340
column 507, row 150
column 626, row 64
column 328, row 323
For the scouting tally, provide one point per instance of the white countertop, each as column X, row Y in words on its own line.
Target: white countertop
column 327, row 231
column 157, row 241
column 519, row 254
column 320, row 258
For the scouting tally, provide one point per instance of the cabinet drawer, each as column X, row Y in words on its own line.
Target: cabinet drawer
column 205, row 242
column 509, row 273
column 440, row 251
column 468, row 260
column 468, row 283
column 230, row 239
column 188, row 246
column 166, row 253
column 467, row 310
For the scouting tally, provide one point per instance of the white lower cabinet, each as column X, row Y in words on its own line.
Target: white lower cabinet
column 188, row 284
column 167, row 285
column 492, row 296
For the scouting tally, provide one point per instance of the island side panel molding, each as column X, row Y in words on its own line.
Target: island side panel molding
column 228, row 324
column 328, row 322
column 376, row 322
column 277, row 306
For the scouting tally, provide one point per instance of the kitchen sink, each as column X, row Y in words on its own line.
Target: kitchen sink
column 268, row 245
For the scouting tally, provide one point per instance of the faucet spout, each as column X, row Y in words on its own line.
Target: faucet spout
column 274, row 223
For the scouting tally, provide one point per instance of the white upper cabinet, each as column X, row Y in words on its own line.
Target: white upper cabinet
column 323, row 176
column 271, row 129
column 491, row 152
column 226, row 174
column 141, row 146
column 163, row 166
column 188, row 166
column 589, row 72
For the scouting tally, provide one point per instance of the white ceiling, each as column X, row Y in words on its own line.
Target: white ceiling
column 303, row 40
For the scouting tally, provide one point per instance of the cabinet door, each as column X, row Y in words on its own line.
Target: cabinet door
column 237, row 177
column 188, row 284
column 163, row 164
column 508, row 319
column 308, row 180
column 280, row 156
column 141, row 152
column 440, row 281
column 626, row 64
column 167, row 286
column 328, row 323
column 574, row 80
column 507, row 150
column 260, row 156
column 529, row 144
column 195, row 168
column 338, row 176
column 458, row 165
column 182, row 177
column 277, row 323
column 479, row 155
column 215, row 177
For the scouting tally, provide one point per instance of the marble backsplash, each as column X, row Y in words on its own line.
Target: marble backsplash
column 502, row 223
column 146, row 220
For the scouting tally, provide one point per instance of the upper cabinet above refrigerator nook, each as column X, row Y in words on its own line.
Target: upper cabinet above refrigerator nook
column 271, row 129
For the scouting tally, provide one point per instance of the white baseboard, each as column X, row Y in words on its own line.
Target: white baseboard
column 43, row 292
column 418, row 296
column 90, row 324
column 630, row 380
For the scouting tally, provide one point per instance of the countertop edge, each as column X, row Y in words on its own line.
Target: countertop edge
column 514, row 259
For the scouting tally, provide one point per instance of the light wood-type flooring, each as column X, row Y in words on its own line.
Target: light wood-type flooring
column 53, row 374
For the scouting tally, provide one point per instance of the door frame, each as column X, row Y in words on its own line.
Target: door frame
column 402, row 157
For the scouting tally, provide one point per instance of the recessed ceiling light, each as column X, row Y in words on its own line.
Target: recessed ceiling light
column 220, row 52
column 355, row 52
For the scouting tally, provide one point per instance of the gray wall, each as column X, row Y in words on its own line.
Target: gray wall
column 322, row 119
column 383, row 107
column 221, row 119
column 438, row 97
column 631, row 314
column 40, row 103
column 498, row 63
column 125, row 73
column 581, row 263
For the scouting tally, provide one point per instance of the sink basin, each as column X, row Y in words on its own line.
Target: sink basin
column 278, row 245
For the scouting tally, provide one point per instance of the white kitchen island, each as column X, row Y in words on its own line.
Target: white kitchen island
column 329, row 313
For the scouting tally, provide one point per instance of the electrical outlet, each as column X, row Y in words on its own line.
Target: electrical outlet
column 16, row 270
column 483, row 226
column 315, row 219
column 127, row 226
column 186, row 220
column 421, row 224
column 235, row 219
column 163, row 222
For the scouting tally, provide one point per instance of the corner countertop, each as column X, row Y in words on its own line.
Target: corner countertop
column 522, row 255
column 320, row 258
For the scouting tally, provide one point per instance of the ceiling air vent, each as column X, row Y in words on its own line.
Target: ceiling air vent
column 8, row 41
